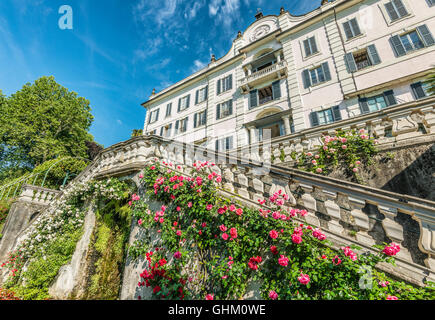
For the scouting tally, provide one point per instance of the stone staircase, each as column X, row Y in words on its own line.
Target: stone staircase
column 348, row 213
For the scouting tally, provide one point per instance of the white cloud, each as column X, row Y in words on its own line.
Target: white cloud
column 198, row 65
column 119, row 122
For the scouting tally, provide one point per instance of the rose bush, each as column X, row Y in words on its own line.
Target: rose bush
column 349, row 149
column 235, row 245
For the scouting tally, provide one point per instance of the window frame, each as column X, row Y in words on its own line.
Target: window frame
column 154, row 112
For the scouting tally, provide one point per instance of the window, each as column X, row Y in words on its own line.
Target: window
column 325, row 116
column 224, row 144
column 168, row 109
column 310, row 46
column 154, row 116
column 264, row 95
column 316, row 75
column 200, row 119
column 420, row 89
column 224, row 109
column 181, row 125
column 224, row 84
column 351, row 28
column 165, row 131
column 362, row 59
column 396, row 10
column 377, row 102
column 419, row 38
column 183, row 103
column 201, row 95
column 431, row 2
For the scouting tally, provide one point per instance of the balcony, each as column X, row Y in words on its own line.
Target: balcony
column 274, row 72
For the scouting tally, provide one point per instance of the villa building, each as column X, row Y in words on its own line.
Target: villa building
column 288, row 73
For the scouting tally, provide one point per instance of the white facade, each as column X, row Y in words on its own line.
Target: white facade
column 289, row 73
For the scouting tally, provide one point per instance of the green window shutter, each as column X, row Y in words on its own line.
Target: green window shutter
column 217, row 145
column 196, row 96
column 157, row 116
column 306, row 78
column 218, row 86
column 186, row 123
column 373, row 54
column 253, row 99
column 179, row 105
column 418, row 91
column 313, row 45
column 161, row 131
column 391, row 11
column 425, row 35
column 276, row 90
column 397, row 45
column 350, row 62
column 336, row 113
column 364, row 106
column 205, row 116
column 314, row 119
column 347, row 30
column 177, row 125
column 188, row 101
column 218, row 111
column 206, row 92
column 307, row 48
column 230, row 82
column 401, row 8
column 355, row 27
column 326, row 71
column 194, row 120
column 389, row 98
column 231, row 106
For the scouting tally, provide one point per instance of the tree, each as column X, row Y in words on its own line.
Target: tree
column 40, row 122
column 136, row 133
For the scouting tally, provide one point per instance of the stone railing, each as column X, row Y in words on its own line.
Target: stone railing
column 279, row 68
column 347, row 212
column 404, row 124
column 38, row 195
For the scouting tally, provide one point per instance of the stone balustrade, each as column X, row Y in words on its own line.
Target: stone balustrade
column 38, row 195
column 404, row 124
column 347, row 212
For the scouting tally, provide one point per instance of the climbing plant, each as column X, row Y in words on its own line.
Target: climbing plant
column 233, row 246
column 348, row 150
column 51, row 240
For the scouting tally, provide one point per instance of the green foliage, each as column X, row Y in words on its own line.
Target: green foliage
column 431, row 82
column 40, row 122
column 195, row 222
column 44, row 268
column 59, row 169
column 137, row 133
column 110, row 244
column 5, row 206
column 347, row 149
column 52, row 242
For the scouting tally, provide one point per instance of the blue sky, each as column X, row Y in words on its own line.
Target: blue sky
column 119, row 50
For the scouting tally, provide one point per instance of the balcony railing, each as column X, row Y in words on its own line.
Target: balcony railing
column 275, row 71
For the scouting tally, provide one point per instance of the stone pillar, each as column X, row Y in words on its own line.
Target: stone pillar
column 252, row 135
column 278, row 57
column 361, row 221
column 286, row 120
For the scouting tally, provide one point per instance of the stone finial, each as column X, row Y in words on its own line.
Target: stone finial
column 213, row 58
column 282, row 10
column 259, row 14
column 324, row 2
column 154, row 92
column 239, row 34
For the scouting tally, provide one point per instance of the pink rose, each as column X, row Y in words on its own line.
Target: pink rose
column 225, row 236
column 273, row 234
column 304, row 278
column 296, row 238
column 177, row 255
column 233, row 233
column 392, row 298
column 273, row 295
column 209, row 297
column 209, row 207
column 223, row 228
column 283, row 260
